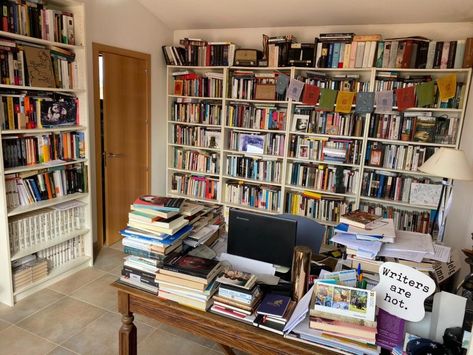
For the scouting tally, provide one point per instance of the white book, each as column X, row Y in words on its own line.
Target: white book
column 393, row 54
column 360, row 50
column 346, row 55
column 431, row 55
column 459, row 53
column 318, row 54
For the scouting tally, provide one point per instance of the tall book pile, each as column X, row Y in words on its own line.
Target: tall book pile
column 188, row 280
column 238, row 296
column 345, row 316
column 207, row 223
column 200, row 53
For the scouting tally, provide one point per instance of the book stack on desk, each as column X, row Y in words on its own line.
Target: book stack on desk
column 188, row 280
column 238, row 295
column 274, row 312
column 207, row 223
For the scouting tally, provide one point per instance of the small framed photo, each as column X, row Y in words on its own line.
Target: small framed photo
column 251, row 143
column 303, row 151
column 376, row 157
column 300, row 123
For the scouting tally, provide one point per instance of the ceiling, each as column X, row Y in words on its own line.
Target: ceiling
column 206, row 14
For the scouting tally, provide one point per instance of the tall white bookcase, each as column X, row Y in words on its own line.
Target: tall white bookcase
column 7, row 293
column 368, row 75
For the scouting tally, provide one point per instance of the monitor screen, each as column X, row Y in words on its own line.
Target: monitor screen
column 263, row 237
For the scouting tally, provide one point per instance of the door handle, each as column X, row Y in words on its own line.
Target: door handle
column 113, row 155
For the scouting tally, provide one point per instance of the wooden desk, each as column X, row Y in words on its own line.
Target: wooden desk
column 228, row 333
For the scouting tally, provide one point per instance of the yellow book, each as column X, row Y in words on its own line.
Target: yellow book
column 11, row 113
column 313, row 195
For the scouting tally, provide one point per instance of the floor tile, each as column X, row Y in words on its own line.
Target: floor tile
column 103, row 334
column 189, row 336
column 77, row 280
column 108, row 259
column 117, row 271
column 4, row 324
column 162, row 342
column 16, row 341
column 61, row 351
column 117, row 246
column 28, row 305
column 62, row 320
column 100, row 293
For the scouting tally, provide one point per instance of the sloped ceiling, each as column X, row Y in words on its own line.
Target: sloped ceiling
column 207, row 14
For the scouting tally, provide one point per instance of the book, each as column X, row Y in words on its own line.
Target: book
column 169, row 223
column 360, row 219
column 151, row 227
column 194, row 266
column 274, row 305
column 148, row 212
column 268, row 323
column 343, row 328
column 237, row 278
column 189, row 302
column 159, row 203
column 199, row 286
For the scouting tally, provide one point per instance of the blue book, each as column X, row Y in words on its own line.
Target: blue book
column 166, row 240
column 379, row 194
column 274, row 305
column 335, row 55
column 330, row 55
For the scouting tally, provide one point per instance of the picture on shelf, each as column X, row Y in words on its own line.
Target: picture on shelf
column 376, row 156
column 59, row 112
column 251, row 143
column 300, row 123
column 213, row 139
column 178, row 87
column 424, row 129
column 303, row 151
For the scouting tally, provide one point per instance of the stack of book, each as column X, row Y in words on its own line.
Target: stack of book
column 27, row 270
column 238, row 296
column 207, row 223
column 346, row 315
column 188, row 280
column 274, row 312
column 155, row 229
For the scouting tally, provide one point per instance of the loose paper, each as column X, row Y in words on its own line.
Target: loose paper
column 300, row 311
column 294, row 90
column 447, row 86
column 364, row 102
column 441, row 253
column 405, row 98
column 425, row 93
column 384, row 101
column 425, row 194
column 402, row 291
column 344, row 101
column 281, row 84
column 327, row 99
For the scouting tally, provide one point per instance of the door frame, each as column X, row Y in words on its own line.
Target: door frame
column 97, row 49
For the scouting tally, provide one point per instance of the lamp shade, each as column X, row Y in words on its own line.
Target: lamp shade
column 448, row 163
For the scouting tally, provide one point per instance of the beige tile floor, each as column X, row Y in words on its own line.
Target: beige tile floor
column 78, row 316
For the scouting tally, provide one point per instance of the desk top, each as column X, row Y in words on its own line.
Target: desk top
column 218, row 328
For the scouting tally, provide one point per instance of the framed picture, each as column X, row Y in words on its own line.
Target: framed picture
column 300, row 123
column 251, row 143
column 178, row 87
column 303, row 151
column 213, row 139
column 376, row 155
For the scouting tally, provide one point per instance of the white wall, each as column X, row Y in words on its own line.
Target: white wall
column 126, row 24
column 460, row 221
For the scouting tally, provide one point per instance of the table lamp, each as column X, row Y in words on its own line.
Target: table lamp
column 447, row 163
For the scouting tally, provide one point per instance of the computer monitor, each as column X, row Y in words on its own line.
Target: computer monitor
column 269, row 238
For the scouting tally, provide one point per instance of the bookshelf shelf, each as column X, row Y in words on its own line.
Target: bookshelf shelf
column 34, row 131
column 194, row 147
column 249, row 208
column 366, row 80
column 195, row 97
column 40, row 178
column 39, row 41
column 48, row 244
column 56, row 274
column 175, row 194
column 52, row 164
column 194, row 172
column 46, row 203
column 195, row 124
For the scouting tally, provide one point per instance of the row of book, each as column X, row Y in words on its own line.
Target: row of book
column 339, row 82
column 387, row 185
column 252, row 195
column 37, row 110
column 21, row 60
column 196, row 136
column 323, row 149
column 317, row 206
column 196, row 160
column 248, row 167
column 322, row 177
column 415, row 127
column 200, row 53
column 256, row 116
column 28, row 270
column 406, row 220
column 31, row 150
column 254, row 143
column 248, row 85
column 398, row 157
column 34, row 19
column 187, row 83
column 63, row 253
column 426, row 89
column 27, row 188
column 45, row 225
column 195, row 186
column 308, row 120
column 196, row 112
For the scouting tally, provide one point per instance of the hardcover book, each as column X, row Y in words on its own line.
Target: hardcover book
column 274, row 305
column 191, row 265
column 237, row 278
column 360, row 219
column 159, row 202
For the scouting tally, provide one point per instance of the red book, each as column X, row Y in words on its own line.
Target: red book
column 405, row 98
column 406, row 55
column 311, row 94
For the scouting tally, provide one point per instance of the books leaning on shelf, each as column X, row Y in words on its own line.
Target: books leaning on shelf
column 199, row 52
column 248, row 85
column 196, row 136
column 254, row 168
column 196, row 160
column 30, row 187
column 325, row 149
column 45, row 225
column 253, row 195
column 63, row 253
column 258, row 116
column 47, row 148
column 195, row 186
column 191, row 111
column 26, row 110
column 187, row 83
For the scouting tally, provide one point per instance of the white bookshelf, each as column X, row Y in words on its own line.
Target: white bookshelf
column 8, row 295
column 365, row 74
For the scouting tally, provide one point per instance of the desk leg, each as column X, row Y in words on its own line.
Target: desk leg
column 226, row 349
column 127, row 333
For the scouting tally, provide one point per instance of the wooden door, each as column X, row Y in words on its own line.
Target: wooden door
column 125, row 150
